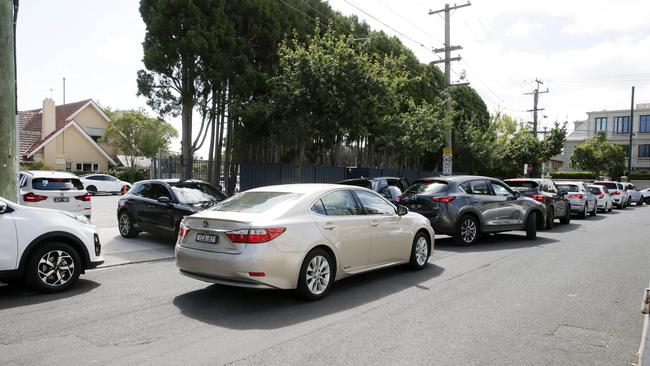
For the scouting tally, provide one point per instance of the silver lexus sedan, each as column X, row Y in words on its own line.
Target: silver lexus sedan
column 300, row 236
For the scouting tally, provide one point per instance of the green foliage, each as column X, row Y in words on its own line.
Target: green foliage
column 600, row 156
column 136, row 134
column 574, row 175
column 640, row 176
column 130, row 176
column 41, row 165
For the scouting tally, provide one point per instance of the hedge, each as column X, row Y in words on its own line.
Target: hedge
column 640, row 176
column 573, row 175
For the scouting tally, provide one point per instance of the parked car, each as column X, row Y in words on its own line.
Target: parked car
column 55, row 190
column 389, row 187
column 47, row 248
column 158, row 206
column 467, row 206
column 645, row 193
column 634, row 195
column 616, row 190
column 604, row 199
column 546, row 192
column 583, row 202
column 300, row 236
column 104, row 183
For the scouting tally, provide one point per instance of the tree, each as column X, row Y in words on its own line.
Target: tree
column 599, row 156
column 136, row 134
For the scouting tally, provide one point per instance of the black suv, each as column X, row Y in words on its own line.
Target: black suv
column 389, row 187
column 546, row 192
column 158, row 206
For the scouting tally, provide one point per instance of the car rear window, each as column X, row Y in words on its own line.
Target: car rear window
column 193, row 192
column 568, row 187
column 527, row 185
column 594, row 190
column 358, row 183
column 258, row 202
column 608, row 185
column 428, row 186
column 57, row 184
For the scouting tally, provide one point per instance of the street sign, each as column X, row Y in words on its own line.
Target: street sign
column 447, row 164
column 446, row 151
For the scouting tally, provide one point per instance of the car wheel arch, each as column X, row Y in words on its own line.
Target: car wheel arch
column 539, row 218
column 477, row 217
column 60, row 236
column 429, row 239
column 329, row 250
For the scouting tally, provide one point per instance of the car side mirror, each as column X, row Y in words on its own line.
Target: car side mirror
column 164, row 200
column 3, row 207
column 516, row 194
column 401, row 210
column 563, row 193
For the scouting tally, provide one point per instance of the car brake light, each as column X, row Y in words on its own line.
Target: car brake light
column 601, row 195
column 579, row 195
column 31, row 197
column 616, row 193
column 182, row 231
column 83, row 197
column 399, row 199
column 445, row 199
column 539, row 197
column 254, row 236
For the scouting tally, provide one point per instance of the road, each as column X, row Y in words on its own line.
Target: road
column 570, row 297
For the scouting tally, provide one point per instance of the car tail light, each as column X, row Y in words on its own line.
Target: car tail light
column 399, row 199
column 601, row 195
column 254, row 236
column 256, row 274
column 83, row 197
column 578, row 196
column 31, row 197
column 182, row 231
column 616, row 193
column 539, row 197
column 445, row 199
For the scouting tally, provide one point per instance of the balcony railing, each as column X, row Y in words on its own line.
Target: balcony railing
column 643, row 162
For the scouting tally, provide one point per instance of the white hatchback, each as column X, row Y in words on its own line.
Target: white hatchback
column 104, row 183
column 47, row 248
column 55, row 190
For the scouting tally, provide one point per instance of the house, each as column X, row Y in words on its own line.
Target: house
column 616, row 125
column 66, row 137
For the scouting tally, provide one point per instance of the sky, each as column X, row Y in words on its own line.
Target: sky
column 588, row 53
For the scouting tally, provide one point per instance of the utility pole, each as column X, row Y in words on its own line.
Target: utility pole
column 536, row 94
column 8, row 110
column 447, row 151
column 629, row 147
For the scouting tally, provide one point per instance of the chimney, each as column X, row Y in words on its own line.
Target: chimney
column 48, row 119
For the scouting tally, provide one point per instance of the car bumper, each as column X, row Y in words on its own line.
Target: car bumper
column 279, row 269
column 578, row 207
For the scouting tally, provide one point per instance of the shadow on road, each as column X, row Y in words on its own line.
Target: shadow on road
column 492, row 242
column 242, row 308
column 16, row 295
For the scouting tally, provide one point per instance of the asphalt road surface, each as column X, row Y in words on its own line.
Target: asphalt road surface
column 570, row 297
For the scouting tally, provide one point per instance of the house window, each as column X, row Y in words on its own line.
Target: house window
column 601, row 124
column 644, row 124
column 68, row 166
column 622, row 124
column 644, row 151
column 87, row 167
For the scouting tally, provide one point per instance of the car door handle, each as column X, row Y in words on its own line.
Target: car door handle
column 374, row 223
column 329, row 226
column 502, row 203
column 475, row 202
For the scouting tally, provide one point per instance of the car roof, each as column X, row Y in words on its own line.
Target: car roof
column 455, row 178
column 49, row 174
column 305, row 188
column 536, row 180
column 172, row 180
column 569, row 182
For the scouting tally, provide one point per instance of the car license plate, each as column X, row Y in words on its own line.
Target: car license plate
column 207, row 238
column 61, row 199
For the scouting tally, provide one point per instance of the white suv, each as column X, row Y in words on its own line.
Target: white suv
column 47, row 248
column 56, row 190
column 95, row 183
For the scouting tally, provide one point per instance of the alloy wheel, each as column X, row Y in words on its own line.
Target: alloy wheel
column 421, row 251
column 56, row 268
column 318, row 275
column 468, row 230
column 125, row 224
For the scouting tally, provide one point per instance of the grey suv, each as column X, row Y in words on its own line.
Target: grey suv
column 466, row 206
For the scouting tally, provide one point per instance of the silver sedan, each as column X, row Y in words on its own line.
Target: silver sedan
column 300, row 236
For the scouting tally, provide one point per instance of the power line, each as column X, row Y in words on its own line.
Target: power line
column 410, row 22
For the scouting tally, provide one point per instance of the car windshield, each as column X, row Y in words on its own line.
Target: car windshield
column 193, row 192
column 358, row 183
column 568, row 187
column 608, row 185
column 258, row 202
column 57, row 184
column 428, row 186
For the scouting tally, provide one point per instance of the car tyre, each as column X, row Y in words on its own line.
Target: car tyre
column 567, row 216
column 467, row 231
column 420, row 251
column 584, row 213
column 531, row 226
column 594, row 212
column 53, row 267
column 316, row 275
column 92, row 190
column 550, row 219
column 125, row 225
column 640, row 202
column 647, row 200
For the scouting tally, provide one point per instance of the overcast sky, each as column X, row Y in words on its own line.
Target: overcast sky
column 588, row 53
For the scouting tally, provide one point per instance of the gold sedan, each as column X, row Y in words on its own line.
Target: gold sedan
column 300, row 236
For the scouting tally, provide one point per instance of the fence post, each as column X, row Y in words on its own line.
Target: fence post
column 169, row 167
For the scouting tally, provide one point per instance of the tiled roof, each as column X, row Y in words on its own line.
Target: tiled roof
column 29, row 124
